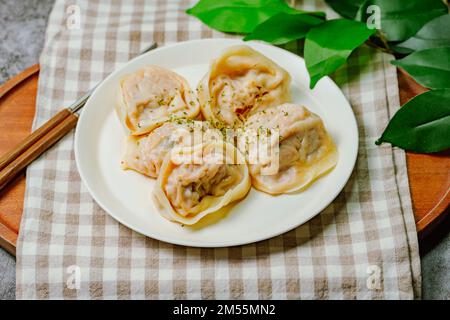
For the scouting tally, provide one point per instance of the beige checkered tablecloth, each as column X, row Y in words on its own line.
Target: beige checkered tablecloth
column 367, row 233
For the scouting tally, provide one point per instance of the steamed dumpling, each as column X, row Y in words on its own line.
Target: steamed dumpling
column 187, row 190
column 146, row 153
column 240, row 83
column 149, row 96
column 305, row 149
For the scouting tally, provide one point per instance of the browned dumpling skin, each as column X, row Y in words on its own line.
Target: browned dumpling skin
column 150, row 96
column 305, row 149
column 240, row 83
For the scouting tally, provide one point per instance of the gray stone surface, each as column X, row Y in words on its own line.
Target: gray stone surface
column 22, row 27
column 435, row 251
column 7, row 275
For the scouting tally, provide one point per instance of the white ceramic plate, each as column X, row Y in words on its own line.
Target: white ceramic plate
column 125, row 195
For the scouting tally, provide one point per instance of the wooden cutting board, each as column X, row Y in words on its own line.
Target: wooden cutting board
column 429, row 175
column 17, row 104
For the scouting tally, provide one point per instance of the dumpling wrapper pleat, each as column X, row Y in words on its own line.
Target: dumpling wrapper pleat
column 210, row 203
column 240, row 83
column 145, row 153
column 153, row 95
column 306, row 150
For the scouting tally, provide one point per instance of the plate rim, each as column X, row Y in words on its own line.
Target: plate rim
column 189, row 243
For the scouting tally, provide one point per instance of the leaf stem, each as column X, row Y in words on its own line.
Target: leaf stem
column 376, row 46
column 382, row 39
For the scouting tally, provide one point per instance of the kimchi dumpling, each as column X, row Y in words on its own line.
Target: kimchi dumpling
column 305, row 150
column 240, row 83
column 146, row 153
column 149, row 96
column 205, row 179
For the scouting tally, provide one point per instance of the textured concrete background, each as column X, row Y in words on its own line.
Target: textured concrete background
column 22, row 28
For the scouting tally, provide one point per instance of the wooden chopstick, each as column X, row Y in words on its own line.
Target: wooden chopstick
column 44, row 129
column 43, row 138
column 35, row 150
column 7, row 158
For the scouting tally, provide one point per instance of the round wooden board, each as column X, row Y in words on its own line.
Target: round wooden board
column 429, row 175
column 17, row 105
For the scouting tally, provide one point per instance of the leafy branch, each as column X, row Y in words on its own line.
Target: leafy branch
column 417, row 28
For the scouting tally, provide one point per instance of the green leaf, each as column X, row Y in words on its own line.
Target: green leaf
column 429, row 67
column 346, row 8
column 284, row 27
column 434, row 34
column 240, row 16
column 402, row 19
column 328, row 46
column 422, row 124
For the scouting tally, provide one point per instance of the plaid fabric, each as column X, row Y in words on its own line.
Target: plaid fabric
column 367, row 233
